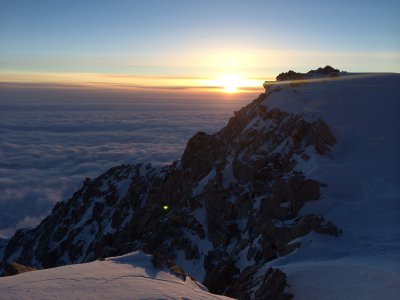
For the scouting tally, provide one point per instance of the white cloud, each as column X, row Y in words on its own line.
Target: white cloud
column 47, row 147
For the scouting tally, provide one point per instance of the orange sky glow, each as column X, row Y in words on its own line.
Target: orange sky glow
column 224, row 83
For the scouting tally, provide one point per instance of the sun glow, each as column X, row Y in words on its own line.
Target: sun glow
column 227, row 83
column 230, row 83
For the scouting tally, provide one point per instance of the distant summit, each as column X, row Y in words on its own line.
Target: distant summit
column 324, row 71
column 291, row 75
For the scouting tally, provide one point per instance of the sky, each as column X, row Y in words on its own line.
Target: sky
column 189, row 45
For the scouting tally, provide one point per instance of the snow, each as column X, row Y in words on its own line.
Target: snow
column 123, row 187
column 258, row 124
column 203, row 182
column 195, row 266
column 131, row 276
column 242, row 262
column 308, row 167
column 353, row 280
column 227, row 173
column 362, row 196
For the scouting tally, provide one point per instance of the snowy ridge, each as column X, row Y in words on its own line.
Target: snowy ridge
column 305, row 175
column 132, row 276
column 362, row 194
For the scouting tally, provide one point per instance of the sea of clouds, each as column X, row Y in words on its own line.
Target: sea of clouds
column 50, row 141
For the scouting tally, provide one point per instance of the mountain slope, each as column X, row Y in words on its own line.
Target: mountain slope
column 243, row 200
column 131, row 276
column 363, row 192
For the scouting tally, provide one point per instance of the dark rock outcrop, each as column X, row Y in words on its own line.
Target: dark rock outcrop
column 273, row 286
column 295, row 76
column 290, row 75
column 327, row 70
column 14, row 268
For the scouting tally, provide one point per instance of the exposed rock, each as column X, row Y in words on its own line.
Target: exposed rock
column 15, row 268
column 245, row 283
column 294, row 76
column 222, row 277
column 163, row 262
column 290, row 75
column 326, row 70
column 273, row 286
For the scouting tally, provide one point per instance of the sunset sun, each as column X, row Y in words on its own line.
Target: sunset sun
column 230, row 83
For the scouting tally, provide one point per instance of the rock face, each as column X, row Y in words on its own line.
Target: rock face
column 233, row 205
column 273, row 286
column 291, row 75
column 14, row 268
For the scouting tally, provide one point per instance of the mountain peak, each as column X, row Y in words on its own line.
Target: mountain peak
column 273, row 188
column 320, row 72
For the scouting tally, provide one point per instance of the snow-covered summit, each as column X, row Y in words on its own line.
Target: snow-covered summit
column 363, row 188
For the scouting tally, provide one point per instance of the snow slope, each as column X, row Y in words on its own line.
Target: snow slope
column 131, row 276
column 362, row 195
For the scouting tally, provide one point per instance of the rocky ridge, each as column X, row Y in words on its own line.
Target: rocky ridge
column 230, row 205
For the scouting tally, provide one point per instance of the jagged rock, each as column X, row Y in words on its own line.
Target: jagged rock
column 273, row 286
column 201, row 152
column 245, row 283
column 163, row 262
column 326, row 70
column 15, row 268
column 317, row 223
column 290, row 75
column 221, row 277
column 323, row 137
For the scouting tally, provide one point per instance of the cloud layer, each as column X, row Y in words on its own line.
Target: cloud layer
column 48, row 146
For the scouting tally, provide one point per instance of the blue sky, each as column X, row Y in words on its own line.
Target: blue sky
column 197, row 38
